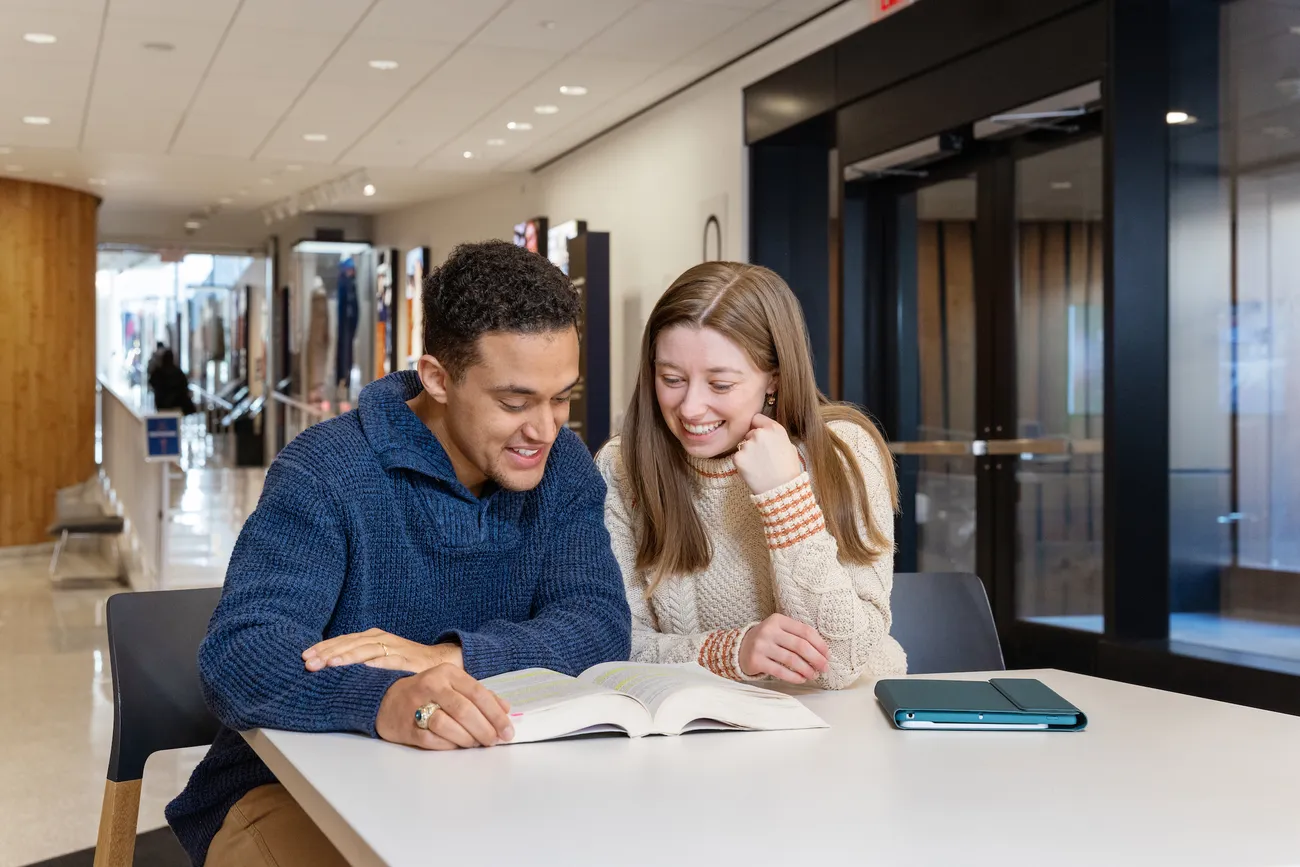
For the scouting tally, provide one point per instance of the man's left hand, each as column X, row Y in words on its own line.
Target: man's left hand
column 379, row 649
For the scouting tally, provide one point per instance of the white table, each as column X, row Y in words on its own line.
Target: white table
column 1158, row 778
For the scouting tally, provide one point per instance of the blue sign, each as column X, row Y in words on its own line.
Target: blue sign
column 162, row 437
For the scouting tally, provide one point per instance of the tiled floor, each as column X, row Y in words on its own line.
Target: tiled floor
column 56, row 717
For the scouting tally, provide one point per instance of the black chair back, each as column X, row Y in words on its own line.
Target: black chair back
column 944, row 623
column 153, row 642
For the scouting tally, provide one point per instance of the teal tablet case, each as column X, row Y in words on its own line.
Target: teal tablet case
column 1000, row 695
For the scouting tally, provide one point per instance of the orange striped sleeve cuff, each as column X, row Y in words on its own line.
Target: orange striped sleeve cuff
column 790, row 513
column 720, row 652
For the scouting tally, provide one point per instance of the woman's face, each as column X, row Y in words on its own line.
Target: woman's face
column 708, row 389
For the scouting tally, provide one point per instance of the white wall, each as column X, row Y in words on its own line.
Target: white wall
column 650, row 183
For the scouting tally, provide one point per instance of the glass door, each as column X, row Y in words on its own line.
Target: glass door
column 987, row 272
column 935, row 421
column 1059, row 365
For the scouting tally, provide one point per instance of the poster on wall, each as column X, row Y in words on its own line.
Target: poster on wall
column 412, row 343
column 531, row 235
column 557, row 242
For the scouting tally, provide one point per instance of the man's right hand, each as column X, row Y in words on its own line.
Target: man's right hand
column 469, row 714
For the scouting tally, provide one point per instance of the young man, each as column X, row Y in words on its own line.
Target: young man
column 449, row 526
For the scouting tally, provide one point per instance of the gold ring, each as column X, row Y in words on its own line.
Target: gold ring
column 385, row 647
column 424, row 713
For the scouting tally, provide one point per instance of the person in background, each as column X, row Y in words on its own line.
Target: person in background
column 752, row 518
column 448, row 529
column 170, row 385
column 155, row 359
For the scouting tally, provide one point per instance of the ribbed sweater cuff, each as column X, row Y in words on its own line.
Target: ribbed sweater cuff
column 361, row 707
column 720, row 652
column 790, row 513
column 483, row 655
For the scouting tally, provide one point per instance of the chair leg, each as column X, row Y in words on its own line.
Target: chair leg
column 58, row 549
column 117, row 820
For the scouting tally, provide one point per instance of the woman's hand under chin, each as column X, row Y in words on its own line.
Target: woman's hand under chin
column 766, row 458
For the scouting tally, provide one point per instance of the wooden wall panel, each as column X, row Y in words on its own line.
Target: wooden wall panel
column 47, row 352
column 960, row 321
column 929, row 326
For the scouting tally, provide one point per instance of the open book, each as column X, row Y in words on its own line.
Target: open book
column 641, row 699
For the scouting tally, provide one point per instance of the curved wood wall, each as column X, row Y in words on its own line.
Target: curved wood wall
column 47, row 352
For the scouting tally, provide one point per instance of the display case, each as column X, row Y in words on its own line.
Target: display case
column 332, row 308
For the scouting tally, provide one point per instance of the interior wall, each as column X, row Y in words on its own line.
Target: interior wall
column 651, row 184
column 47, row 352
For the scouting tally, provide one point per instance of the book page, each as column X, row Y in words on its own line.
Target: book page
column 545, row 704
column 653, row 684
column 536, row 689
column 684, row 698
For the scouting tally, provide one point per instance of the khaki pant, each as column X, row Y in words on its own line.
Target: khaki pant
column 267, row 827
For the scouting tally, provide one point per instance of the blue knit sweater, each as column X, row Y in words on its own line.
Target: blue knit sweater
column 362, row 523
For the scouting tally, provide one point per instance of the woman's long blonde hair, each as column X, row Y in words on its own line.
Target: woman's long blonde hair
column 755, row 309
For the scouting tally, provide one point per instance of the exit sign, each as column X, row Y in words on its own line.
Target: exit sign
column 887, row 5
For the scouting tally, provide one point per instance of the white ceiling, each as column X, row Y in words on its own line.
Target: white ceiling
column 223, row 115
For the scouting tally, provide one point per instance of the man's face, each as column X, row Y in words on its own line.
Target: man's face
column 505, row 413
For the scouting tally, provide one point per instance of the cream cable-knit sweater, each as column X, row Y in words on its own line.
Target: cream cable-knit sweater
column 771, row 553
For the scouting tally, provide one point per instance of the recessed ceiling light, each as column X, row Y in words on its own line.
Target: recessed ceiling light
column 266, row 181
column 384, row 65
column 57, row 174
column 6, row 150
column 243, row 192
column 193, row 224
column 12, row 168
column 37, row 120
column 315, row 136
column 469, row 155
column 97, row 182
column 41, row 38
column 573, row 90
column 1177, row 118
column 1062, row 185
column 495, row 142
column 293, row 168
column 158, row 46
column 548, row 25
column 523, row 127
column 546, row 109
column 1295, row 29
column 368, row 190
column 225, row 200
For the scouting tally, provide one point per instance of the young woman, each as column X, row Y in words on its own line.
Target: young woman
column 752, row 517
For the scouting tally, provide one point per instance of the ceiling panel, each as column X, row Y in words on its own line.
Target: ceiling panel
column 751, row 5
column 664, row 30
column 304, row 16
column 552, row 25
column 138, row 129
column 125, row 38
column 436, row 20
column 211, row 12
column 251, row 52
column 415, row 58
column 219, row 135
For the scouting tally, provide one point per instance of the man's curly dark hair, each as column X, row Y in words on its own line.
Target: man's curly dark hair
column 492, row 286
